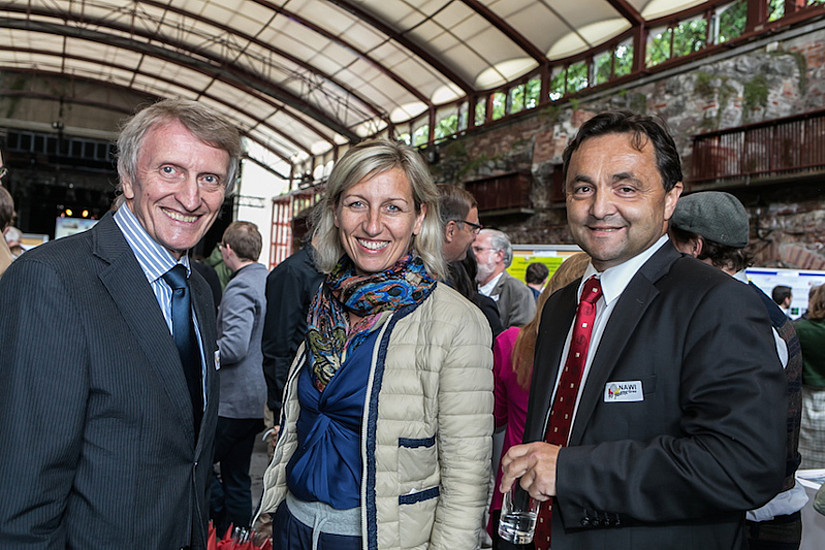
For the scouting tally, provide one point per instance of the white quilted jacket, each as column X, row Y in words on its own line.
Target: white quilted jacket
column 426, row 431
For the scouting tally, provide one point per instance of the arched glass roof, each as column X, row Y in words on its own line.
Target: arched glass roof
column 300, row 76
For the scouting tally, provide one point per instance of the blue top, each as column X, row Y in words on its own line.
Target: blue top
column 326, row 467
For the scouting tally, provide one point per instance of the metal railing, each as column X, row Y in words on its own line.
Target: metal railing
column 762, row 151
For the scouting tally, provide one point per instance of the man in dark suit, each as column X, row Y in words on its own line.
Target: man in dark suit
column 676, row 417
column 109, row 397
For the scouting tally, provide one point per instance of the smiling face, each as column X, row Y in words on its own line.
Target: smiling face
column 617, row 206
column 376, row 220
column 179, row 187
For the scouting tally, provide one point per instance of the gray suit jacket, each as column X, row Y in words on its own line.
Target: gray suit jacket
column 99, row 448
column 240, row 327
column 679, row 468
column 516, row 304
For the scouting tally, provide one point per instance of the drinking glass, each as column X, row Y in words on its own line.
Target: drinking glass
column 517, row 524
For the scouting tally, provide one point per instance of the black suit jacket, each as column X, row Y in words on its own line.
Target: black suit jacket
column 678, row 469
column 98, row 445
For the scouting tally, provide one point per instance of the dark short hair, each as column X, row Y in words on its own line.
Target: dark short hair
column 720, row 255
column 780, row 293
column 245, row 240
column 536, row 273
column 454, row 203
column 6, row 209
column 643, row 128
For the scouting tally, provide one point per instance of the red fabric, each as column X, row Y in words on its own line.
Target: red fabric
column 561, row 413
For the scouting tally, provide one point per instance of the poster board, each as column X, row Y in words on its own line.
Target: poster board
column 800, row 281
column 551, row 255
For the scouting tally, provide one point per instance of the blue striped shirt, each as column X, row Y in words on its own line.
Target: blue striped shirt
column 155, row 261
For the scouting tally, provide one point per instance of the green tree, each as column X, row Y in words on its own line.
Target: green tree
column 732, row 21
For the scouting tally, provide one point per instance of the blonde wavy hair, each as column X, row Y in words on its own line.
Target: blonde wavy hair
column 364, row 161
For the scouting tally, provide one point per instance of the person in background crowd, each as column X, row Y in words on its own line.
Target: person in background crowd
column 512, row 370
column 713, row 227
column 387, row 413
column 811, row 333
column 13, row 236
column 494, row 254
column 657, row 418
column 109, row 403
column 290, row 287
column 535, row 275
column 6, row 217
column 783, row 296
column 243, row 390
column 215, row 260
column 459, row 218
column 211, row 277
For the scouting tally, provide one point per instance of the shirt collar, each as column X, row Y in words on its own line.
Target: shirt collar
column 153, row 258
column 488, row 288
column 615, row 279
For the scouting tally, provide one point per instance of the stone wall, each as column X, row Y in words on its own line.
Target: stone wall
column 771, row 79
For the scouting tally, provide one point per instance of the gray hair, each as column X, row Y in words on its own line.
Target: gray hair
column 500, row 241
column 364, row 161
column 204, row 123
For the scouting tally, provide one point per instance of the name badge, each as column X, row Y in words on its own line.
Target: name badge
column 623, row 392
column 217, row 360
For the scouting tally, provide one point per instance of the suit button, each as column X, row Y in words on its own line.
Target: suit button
column 585, row 522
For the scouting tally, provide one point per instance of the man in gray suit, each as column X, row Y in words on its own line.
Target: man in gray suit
column 243, row 388
column 109, row 397
column 494, row 254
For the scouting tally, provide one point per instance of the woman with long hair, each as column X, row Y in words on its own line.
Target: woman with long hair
column 513, row 368
column 811, row 333
column 387, row 411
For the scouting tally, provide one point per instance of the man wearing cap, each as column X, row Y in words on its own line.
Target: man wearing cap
column 713, row 227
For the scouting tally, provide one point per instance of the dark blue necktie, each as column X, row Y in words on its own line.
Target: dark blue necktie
column 185, row 339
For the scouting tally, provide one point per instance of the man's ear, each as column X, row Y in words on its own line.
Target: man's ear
column 697, row 244
column 449, row 231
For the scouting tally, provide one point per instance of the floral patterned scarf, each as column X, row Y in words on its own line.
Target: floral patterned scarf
column 373, row 297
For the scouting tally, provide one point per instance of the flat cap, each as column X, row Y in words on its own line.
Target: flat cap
column 714, row 215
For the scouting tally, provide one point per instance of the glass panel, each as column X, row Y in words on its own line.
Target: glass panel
column 658, row 46
column 517, row 99
column 481, row 111
column 689, row 36
column 602, row 63
column 531, row 93
column 576, row 77
column 624, row 59
column 557, row 84
column 732, row 20
column 499, row 105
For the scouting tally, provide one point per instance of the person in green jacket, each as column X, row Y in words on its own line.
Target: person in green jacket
column 811, row 333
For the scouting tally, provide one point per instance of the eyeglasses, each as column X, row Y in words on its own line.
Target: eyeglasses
column 474, row 227
column 3, row 172
column 478, row 249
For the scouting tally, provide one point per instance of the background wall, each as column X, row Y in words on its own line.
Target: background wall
column 777, row 77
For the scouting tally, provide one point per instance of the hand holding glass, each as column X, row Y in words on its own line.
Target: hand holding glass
column 517, row 524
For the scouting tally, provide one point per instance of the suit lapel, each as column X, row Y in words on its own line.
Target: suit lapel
column 632, row 304
column 555, row 324
column 206, row 323
column 133, row 296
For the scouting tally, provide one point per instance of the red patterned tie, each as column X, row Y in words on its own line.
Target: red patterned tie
column 561, row 413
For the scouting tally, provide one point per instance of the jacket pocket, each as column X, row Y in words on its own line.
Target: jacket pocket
column 417, row 464
column 416, row 517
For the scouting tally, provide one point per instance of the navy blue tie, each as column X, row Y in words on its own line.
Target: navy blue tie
column 184, row 332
